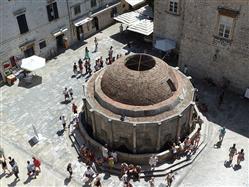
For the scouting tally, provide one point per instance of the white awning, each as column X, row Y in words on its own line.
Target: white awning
column 144, row 26
column 81, row 21
column 59, row 32
column 106, row 8
column 146, row 11
column 165, row 44
column 135, row 2
column 128, row 18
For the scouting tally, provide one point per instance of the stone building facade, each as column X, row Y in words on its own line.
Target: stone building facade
column 46, row 27
column 213, row 39
column 138, row 105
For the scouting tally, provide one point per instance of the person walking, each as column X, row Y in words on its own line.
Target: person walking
column 74, row 108
column 15, row 171
column 96, row 44
column 232, row 152
column 65, row 93
column 37, row 165
column 87, row 54
column 222, row 133
column 4, row 165
column 241, row 157
column 70, row 170
column 75, row 69
column 30, row 169
column 63, row 121
column 70, row 91
column 169, row 178
column 153, row 161
column 14, row 166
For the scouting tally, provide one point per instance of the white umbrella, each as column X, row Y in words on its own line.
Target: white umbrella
column 33, row 63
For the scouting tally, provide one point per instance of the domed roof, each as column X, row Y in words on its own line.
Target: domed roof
column 139, row 80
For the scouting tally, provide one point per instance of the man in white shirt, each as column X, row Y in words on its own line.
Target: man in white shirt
column 153, row 161
column 105, row 152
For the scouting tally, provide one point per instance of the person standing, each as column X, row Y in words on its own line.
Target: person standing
column 153, row 161
column 110, row 54
column 65, row 93
column 111, row 162
column 232, row 152
column 241, row 157
column 74, row 108
column 87, row 54
column 222, row 133
column 105, row 152
column 71, row 93
column 169, row 178
column 70, row 170
column 152, row 182
column 121, row 28
column 96, row 44
column 63, row 121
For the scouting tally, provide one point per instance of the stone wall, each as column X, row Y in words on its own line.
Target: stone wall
column 167, row 24
column 209, row 56
column 206, row 54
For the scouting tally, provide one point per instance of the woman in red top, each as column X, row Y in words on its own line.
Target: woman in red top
column 37, row 164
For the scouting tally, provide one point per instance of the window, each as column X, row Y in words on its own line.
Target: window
column 77, row 10
column 22, row 23
column 52, row 11
column 225, row 26
column 93, row 3
column 173, row 6
column 42, row 44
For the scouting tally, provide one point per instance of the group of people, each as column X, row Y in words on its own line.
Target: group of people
column 130, row 171
column 68, row 94
column 233, row 152
column 33, row 168
column 187, row 147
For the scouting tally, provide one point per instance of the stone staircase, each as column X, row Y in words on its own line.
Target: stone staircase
column 146, row 172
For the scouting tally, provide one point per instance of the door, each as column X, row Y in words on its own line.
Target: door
column 96, row 23
column 29, row 52
column 60, row 42
column 80, row 33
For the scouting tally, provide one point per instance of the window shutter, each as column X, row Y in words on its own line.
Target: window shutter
column 56, row 15
column 49, row 13
column 22, row 23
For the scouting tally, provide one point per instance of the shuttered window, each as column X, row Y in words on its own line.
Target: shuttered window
column 52, row 11
column 22, row 23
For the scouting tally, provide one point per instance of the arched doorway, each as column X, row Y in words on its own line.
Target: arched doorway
column 95, row 23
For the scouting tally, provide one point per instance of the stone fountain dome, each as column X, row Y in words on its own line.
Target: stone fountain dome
column 139, row 80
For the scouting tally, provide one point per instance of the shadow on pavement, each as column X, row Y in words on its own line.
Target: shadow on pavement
column 60, row 132
column 28, row 180
column 237, row 167
column 36, row 80
column 67, row 181
column 65, row 102
column 2, row 175
column 14, row 182
column 232, row 113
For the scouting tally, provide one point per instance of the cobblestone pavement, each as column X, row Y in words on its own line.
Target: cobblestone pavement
column 41, row 106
